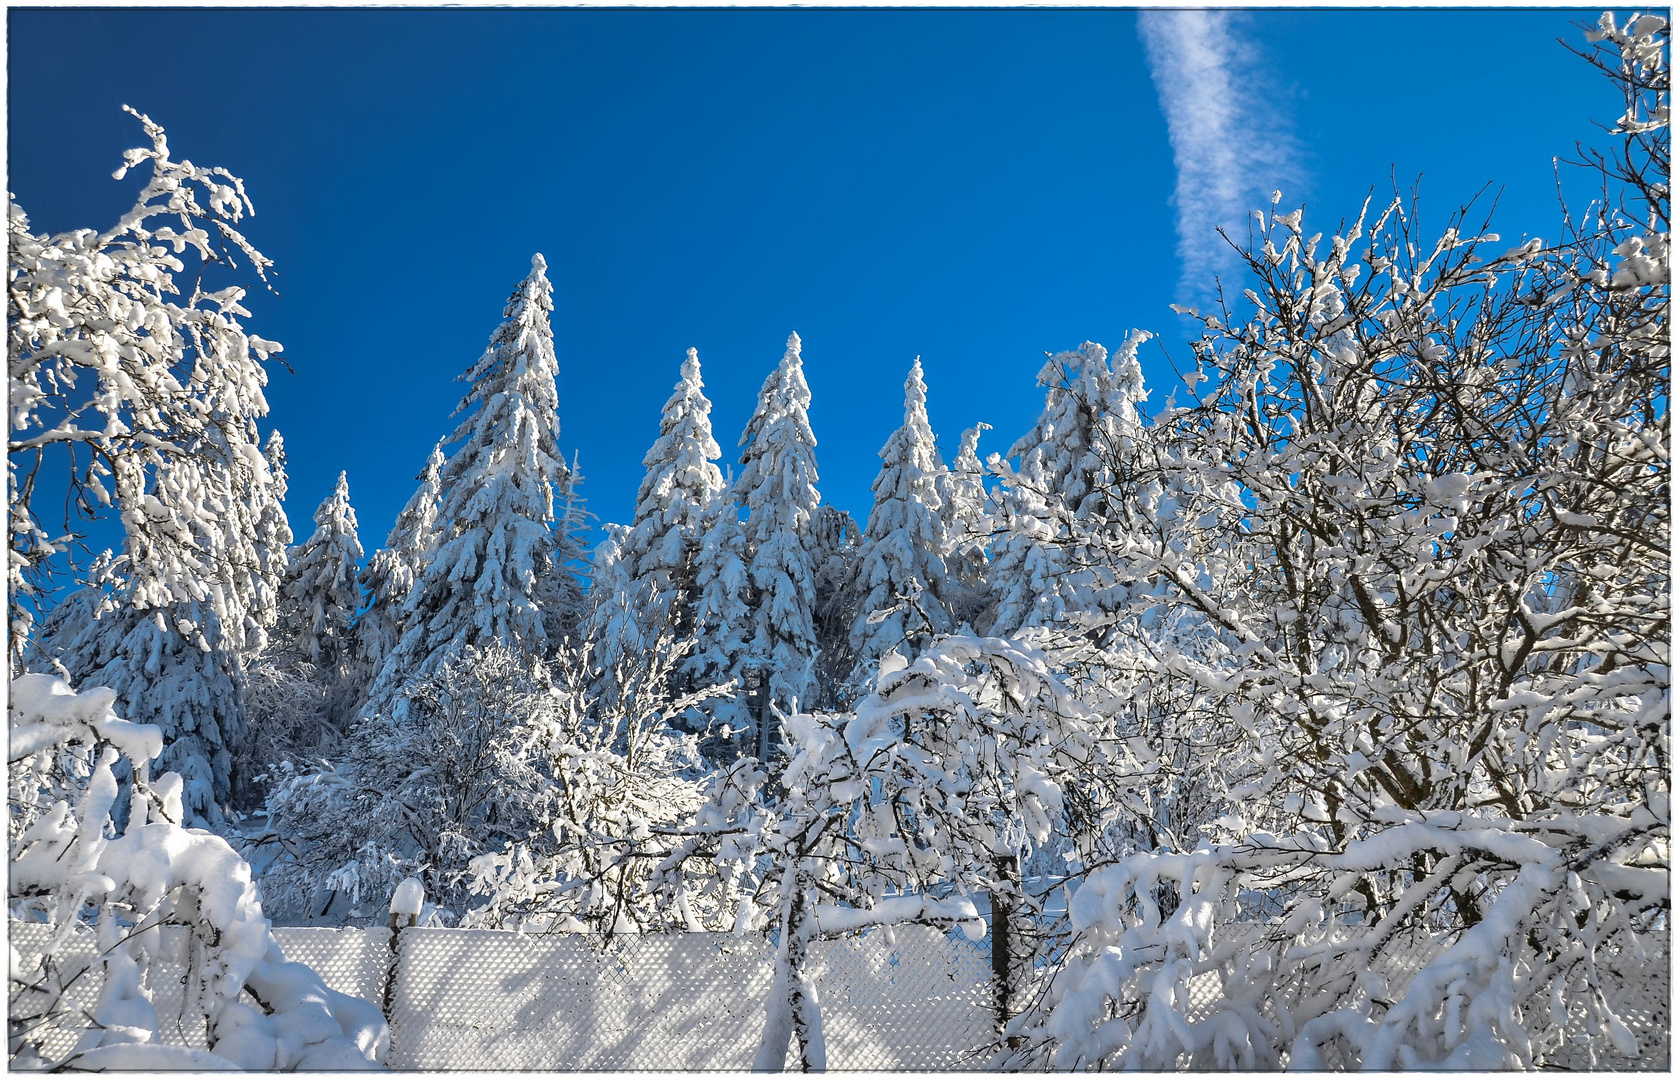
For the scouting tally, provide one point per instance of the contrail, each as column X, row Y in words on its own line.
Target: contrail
column 1231, row 149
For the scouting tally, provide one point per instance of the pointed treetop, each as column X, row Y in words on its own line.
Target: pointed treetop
column 793, row 344
column 336, row 509
column 914, row 390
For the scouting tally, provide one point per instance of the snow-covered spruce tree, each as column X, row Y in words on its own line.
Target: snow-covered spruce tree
column 1064, row 474
column 320, row 597
column 302, row 692
column 966, row 514
column 900, row 567
column 273, row 545
column 117, row 377
column 776, row 488
column 176, row 388
column 654, row 562
column 722, row 622
column 834, row 539
column 482, row 580
column 559, row 591
column 617, row 605
column 119, row 892
column 1424, row 502
column 681, row 485
column 390, row 573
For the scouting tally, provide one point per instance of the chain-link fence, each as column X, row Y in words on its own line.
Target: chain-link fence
column 481, row 998
column 915, row 999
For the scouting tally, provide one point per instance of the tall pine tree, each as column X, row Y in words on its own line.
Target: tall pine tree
column 302, row 689
column 390, row 574
column 1066, row 466
column 655, row 561
column 482, row 580
column 901, row 572
column 273, row 546
column 777, row 489
column 319, row 599
column 681, row 485
column 722, row 616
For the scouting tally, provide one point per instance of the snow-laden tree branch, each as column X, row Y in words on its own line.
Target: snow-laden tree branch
column 68, row 870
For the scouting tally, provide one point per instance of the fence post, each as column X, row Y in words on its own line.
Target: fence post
column 1005, row 902
column 406, row 903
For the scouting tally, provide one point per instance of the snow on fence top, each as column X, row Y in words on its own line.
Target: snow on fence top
column 409, row 898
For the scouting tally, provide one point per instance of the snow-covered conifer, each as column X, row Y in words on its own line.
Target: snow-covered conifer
column 777, row 490
column 303, row 686
column 173, row 666
column 390, row 574
column 681, row 485
column 559, row 590
column 616, row 604
column 654, row 562
column 320, row 596
column 482, row 580
column 901, row 572
column 1066, row 464
column 273, row 545
column 966, row 512
column 722, row 615
column 833, row 540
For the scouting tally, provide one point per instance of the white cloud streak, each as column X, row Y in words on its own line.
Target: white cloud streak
column 1231, row 147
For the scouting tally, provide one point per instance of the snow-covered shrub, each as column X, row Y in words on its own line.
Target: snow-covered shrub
column 512, row 788
column 1391, row 602
column 620, row 779
column 254, row 1009
column 899, row 812
column 459, row 772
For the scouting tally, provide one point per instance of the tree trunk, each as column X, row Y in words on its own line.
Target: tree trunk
column 794, row 1009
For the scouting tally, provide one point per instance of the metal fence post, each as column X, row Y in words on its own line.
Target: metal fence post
column 406, row 903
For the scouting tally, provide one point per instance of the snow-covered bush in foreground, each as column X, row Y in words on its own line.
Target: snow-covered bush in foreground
column 898, row 813
column 1288, row 984
column 1419, row 521
column 461, row 772
column 256, row 1010
column 617, row 778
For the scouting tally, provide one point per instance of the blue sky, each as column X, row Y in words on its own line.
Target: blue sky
column 975, row 187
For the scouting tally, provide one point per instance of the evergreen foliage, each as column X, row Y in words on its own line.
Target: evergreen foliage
column 901, row 572
column 390, row 574
column 776, row 488
column 482, row 581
